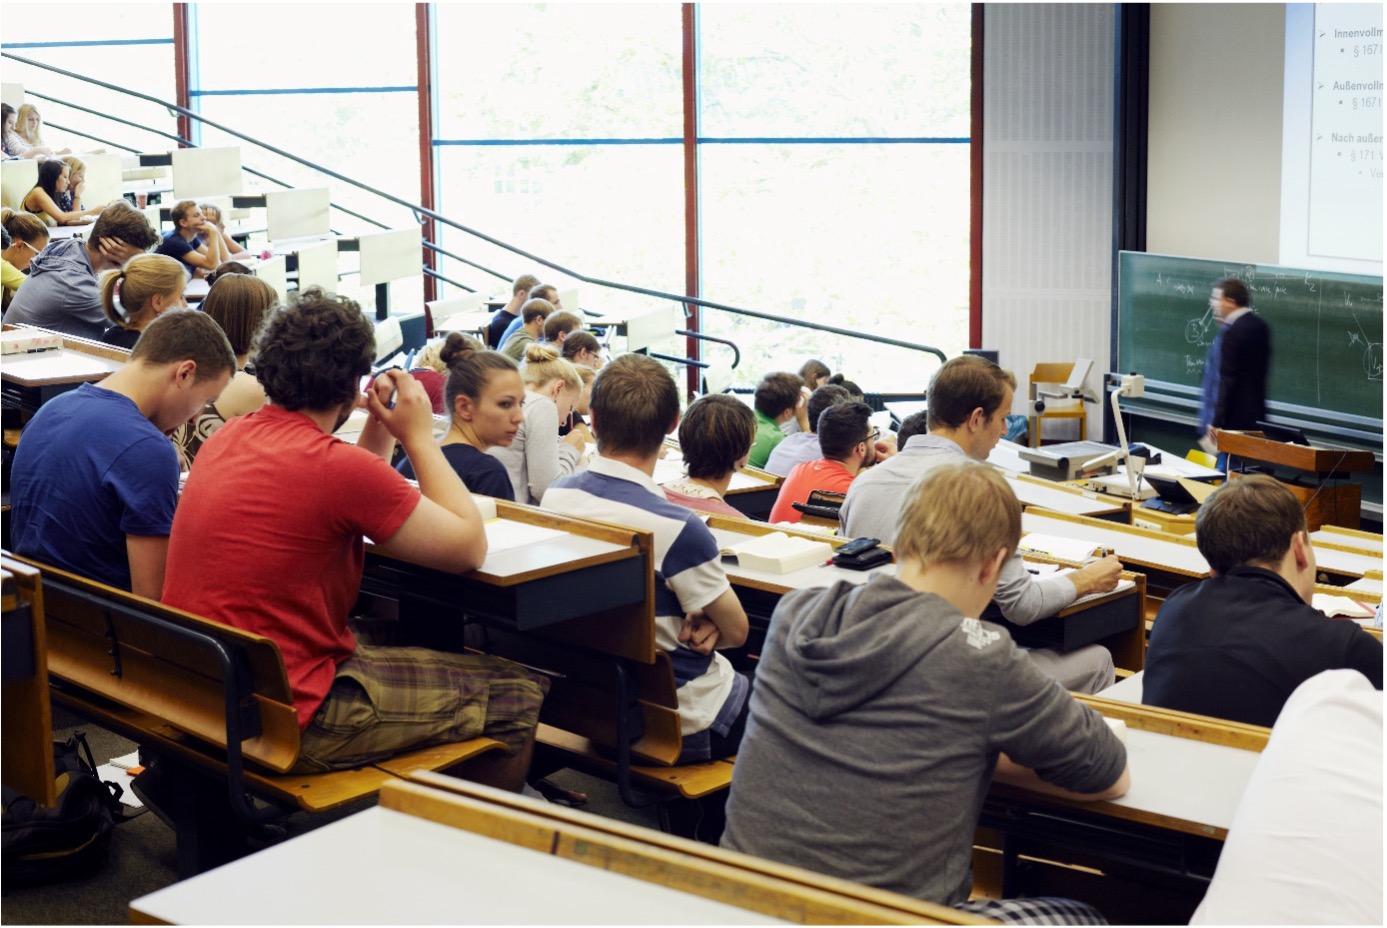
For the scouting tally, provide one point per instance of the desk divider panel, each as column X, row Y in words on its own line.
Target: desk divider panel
column 318, row 266
column 17, row 178
column 103, row 177
column 199, row 172
column 297, row 213
column 393, row 255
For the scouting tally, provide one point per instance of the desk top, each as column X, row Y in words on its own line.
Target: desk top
column 1061, row 498
column 1128, row 690
column 803, row 579
column 1350, row 563
column 79, row 230
column 1188, row 785
column 435, row 874
column 519, row 551
column 1130, row 545
column 55, row 366
column 671, row 468
column 1348, row 538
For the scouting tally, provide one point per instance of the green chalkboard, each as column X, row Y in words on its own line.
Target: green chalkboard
column 1326, row 334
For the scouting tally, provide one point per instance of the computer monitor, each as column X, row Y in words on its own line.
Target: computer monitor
column 1284, row 433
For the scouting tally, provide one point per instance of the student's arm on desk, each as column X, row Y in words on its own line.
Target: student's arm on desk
column 148, row 555
column 1025, row 598
column 1013, row 774
column 445, row 530
column 720, row 624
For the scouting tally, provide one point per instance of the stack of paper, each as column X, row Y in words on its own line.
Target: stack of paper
column 1066, row 549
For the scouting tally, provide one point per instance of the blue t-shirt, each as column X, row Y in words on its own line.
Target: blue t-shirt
column 90, row 470
column 176, row 246
column 480, row 472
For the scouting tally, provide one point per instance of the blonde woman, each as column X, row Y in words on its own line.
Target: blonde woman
column 28, row 130
column 142, row 291
column 25, row 236
column 537, row 456
column 239, row 304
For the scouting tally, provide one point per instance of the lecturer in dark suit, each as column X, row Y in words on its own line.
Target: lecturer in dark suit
column 1243, row 358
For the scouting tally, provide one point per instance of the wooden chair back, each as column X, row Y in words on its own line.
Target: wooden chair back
column 191, row 672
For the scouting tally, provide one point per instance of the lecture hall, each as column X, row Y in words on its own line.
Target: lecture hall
column 691, row 463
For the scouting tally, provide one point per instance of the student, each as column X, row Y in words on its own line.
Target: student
column 532, row 315
column 804, row 446
column 537, row 455
column 560, row 325
column 24, row 134
column 29, row 125
column 778, row 400
column 583, row 349
column 520, row 292
column 968, row 402
column 1236, row 645
column 577, row 418
column 62, row 291
column 715, row 438
column 815, row 374
column 541, row 291
column 76, row 185
column 213, row 214
column 12, row 145
column 635, row 404
column 1305, row 845
column 95, row 479
column 917, row 423
column 486, row 397
column 193, row 239
column 432, row 373
column 239, row 304
column 849, row 445
column 25, row 237
column 45, row 198
column 226, row 268
column 882, row 711
column 268, row 538
column 853, row 389
column 142, row 291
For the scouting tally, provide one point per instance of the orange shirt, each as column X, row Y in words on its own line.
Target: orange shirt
column 823, row 474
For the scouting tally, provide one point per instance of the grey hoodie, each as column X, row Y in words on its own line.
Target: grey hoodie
column 876, row 719
column 61, row 293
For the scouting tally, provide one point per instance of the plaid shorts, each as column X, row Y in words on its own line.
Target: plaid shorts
column 1042, row 910
column 387, row 700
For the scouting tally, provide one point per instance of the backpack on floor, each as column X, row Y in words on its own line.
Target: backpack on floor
column 72, row 837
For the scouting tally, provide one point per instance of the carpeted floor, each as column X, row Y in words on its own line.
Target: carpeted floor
column 142, row 850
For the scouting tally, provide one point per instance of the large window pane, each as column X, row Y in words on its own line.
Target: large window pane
column 548, row 71
column 294, row 45
column 834, row 69
column 611, row 211
column 144, row 64
column 872, row 238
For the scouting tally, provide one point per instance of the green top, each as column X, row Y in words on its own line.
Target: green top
column 515, row 346
column 768, row 435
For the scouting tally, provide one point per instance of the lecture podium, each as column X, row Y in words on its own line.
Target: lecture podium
column 1323, row 504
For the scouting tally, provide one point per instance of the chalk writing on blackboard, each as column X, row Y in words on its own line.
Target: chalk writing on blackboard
column 1372, row 351
column 1200, row 331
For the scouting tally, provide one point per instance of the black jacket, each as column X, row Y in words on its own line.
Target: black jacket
column 1244, row 359
column 1237, row 645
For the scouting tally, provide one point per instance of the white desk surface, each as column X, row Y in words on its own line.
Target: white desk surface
column 196, row 289
column 1129, row 546
column 79, row 230
column 56, row 365
column 1345, row 562
column 1060, row 499
column 421, row 873
column 463, row 322
column 1366, row 585
column 1128, row 690
column 1192, row 781
column 1007, row 456
column 546, row 554
column 803, row 579
column 1329, row 536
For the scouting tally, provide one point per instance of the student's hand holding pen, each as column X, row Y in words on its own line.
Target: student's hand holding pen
column 1099, row 576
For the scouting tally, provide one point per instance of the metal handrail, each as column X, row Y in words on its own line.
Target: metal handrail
column 421, row 211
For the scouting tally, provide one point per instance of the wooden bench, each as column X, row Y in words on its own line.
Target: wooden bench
column 212, row 702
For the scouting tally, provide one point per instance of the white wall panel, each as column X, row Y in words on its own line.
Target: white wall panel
column 1047, row 187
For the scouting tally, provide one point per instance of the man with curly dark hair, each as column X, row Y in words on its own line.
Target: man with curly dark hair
column 268, row 538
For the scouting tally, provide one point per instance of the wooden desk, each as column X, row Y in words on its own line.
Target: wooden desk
column 1163, row 837
column 1114, row 620
column 447, row 851
column 1057, row 497
column 1158, row 521
column 27, row 758
column 29, row 380
column 1349, row 539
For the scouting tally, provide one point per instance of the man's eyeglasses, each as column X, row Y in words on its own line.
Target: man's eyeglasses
column 872, row 436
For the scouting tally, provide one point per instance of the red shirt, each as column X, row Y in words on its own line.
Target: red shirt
column 823, row 474
column 268, row 538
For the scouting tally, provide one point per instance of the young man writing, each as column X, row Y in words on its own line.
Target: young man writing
column 968, row 402
column 62, row 292
column 849, row 444
column 269, row 538
column 894, row 694
column 95, row 478
column 1237, row 645
column 635, row 404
